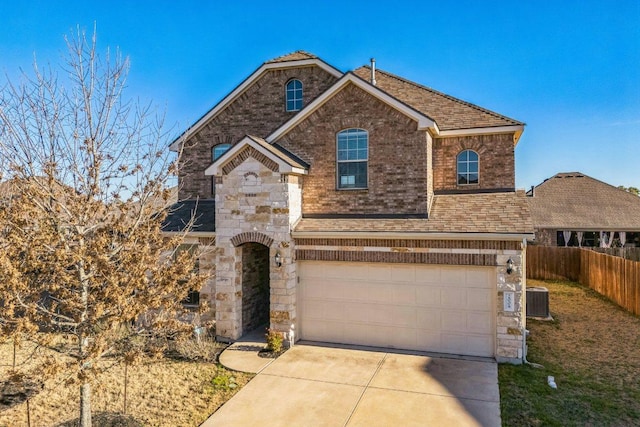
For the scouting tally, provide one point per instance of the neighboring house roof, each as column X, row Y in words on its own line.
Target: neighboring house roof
column 499, row 214
column 181, row 213
column 575, row 201
column 449, row 113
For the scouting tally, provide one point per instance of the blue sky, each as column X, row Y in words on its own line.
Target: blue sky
column 569, row 69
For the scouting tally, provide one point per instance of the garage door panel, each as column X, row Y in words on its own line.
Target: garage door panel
column 478, row 299
column 427, row 296
column 403, row 273
column 453, row 297
column 407, row 306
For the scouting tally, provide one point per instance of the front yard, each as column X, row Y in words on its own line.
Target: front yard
column 160, row 393
column 592, row 348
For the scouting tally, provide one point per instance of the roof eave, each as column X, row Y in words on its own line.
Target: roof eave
column 517, row 130
column 423, row 121
column 267, row 66
column 412, row 235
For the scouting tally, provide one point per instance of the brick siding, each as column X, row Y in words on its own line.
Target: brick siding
column 259, row 111
column 496, row 155
column 397, row 168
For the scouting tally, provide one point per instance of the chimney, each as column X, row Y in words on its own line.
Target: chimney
column 373, row 71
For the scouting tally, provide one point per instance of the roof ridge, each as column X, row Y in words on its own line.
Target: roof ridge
column 283, row 58
column 444, row 95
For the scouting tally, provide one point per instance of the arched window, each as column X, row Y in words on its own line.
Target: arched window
column 468, row 167
column 219, row 150
column 353, row 156
column 294, row 95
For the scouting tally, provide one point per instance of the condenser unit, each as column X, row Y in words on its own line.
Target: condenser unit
column 537, row 302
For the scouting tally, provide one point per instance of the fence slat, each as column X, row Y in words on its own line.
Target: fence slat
column 616, row 278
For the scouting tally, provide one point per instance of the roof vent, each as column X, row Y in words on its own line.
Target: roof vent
column 373, row 71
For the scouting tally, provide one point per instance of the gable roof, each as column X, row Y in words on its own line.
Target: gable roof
column 423, row 120
column 448, row 112
column 286, row 161
column 575, row 201
column 502, row 216
column 293, row 56
column 295, row 59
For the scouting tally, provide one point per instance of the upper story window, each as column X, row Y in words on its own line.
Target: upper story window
column 294, row 95
column 468, row 167
column 353, row 155
column 219, row 150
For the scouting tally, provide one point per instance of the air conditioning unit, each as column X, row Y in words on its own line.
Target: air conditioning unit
column 537, row 302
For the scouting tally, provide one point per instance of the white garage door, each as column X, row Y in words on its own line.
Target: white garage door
column 407, row 306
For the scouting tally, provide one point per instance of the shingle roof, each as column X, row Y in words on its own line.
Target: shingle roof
column 293, row 56
column 449, row 113
column 502, row 213
column 575, row 201
column 281, row 153
column 181, row 212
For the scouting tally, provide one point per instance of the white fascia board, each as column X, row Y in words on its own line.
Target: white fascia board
column 409, row 235
column 283, row 167
column 517, row 129
column 424, row 122
column 175, row 145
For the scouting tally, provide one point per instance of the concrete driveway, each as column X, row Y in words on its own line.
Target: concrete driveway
column 313, row 385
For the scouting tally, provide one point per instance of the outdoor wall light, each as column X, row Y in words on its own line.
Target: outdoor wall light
column 278, row 259
column 509, row 266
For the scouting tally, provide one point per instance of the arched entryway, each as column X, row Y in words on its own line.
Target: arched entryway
column 255, row 286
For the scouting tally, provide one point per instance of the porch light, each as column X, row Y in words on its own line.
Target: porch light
column 509, row 266
column 278, row 259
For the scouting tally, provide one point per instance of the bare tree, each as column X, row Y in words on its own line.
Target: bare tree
column 84, row 193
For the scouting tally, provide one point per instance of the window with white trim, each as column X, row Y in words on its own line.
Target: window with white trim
column 468, row 166
column 294, row 95
column 353, row 156
column 219, row 150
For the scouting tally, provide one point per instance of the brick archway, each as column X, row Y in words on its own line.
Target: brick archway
column 251, row 237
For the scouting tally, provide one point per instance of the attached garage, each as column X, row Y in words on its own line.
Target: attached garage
column 438, row 308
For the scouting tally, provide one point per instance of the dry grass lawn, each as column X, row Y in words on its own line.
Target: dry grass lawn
column 592, row 348
column 162, row 393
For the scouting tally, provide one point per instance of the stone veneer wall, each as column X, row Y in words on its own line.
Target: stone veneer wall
column 510, row 324
column 496, row 156
column 397, row 165
column 259, row 110
column 254, row 204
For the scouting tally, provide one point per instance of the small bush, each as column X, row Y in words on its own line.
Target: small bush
column 274, row 341
column 224, row 381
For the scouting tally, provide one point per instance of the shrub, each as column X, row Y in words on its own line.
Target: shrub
column 274, row 340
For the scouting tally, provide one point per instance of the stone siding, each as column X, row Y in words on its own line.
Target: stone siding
column 397, row 164
column 259, row 110
column 254, row 203
column 495, row 153
column 546, row 237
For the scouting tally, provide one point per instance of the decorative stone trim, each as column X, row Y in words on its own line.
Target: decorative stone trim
column 398, row 243
column 244, row 155
column 488, row 260
column 251, row 237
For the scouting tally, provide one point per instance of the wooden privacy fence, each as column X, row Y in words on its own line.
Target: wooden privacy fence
column 616, row 278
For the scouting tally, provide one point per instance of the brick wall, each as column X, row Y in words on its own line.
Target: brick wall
column 397, row 169
column 496, row 155
column 259, row 111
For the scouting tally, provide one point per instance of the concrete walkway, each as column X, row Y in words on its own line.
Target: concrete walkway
column 326, row 385
column 242, row 355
